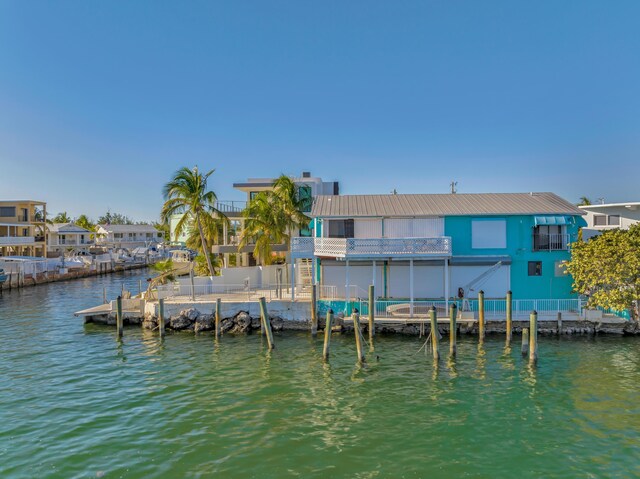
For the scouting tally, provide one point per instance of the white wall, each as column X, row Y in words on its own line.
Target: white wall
column 413, row 227
column 360, row 274
column 496, row 286
column 428, row 281
column 368, row 228
column 628, row 216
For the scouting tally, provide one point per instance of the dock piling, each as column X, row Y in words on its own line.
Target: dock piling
column 358, row 335
column 453, row 329
column 525, row 341
column 217, row 317
column 533, row 337
column 434, row 333
column 509, row 316
column 161, row 317
column 481, row 315
column 372, row 312
column 119, row 319
column 327, row 335
column 314, row 309
column 266, row 322
column 559, row 323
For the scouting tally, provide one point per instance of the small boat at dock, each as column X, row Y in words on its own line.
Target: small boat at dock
column 3, row 276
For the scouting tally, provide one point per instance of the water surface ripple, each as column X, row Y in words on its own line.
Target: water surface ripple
column 76, row 403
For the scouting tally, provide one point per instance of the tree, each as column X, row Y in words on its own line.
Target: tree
column 114, row 219
column 213, row 228
column 607, row 269
column 271, row 217
column 187, row 193
column 84, row 222
column 165, row 270
column 164, row 229
column 584, row 201
column 61, row 218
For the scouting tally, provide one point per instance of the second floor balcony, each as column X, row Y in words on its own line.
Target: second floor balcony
column 355, row 248
column 551, row 242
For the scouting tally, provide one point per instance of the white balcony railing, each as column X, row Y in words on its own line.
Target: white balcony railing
column 17, row 240
column 371, row 247
column 551, row 242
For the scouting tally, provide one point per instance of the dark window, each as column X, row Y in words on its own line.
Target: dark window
column 253, row 194
column 614, row 220
column 341, row 228
column 304, row 194
column 8, row 211
column 599, row 220
column 535, row 268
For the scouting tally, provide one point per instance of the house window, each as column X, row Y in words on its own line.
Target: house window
column 341, row 228
column 613, row 220
column 149, row 235
column 252, row 195
column 130, row 235
column 25, row 231
column 304, row 195
column 550, row 238
column 7, row 211
column 117, row 235
column 489, row 234
column 535, row 268
column 599, row 220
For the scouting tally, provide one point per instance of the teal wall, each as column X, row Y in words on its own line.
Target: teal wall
column 520, row 249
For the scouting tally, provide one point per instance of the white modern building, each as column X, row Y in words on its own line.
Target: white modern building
column 68, row 237
column 128, row 236
column 603, row 217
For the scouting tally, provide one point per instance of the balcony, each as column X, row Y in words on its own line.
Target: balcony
column 231, row 208
column 72, row 242
column 16, row 240
column 349, row 248
column 551, row 242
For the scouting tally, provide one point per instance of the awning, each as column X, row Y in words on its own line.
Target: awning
column 552, row 220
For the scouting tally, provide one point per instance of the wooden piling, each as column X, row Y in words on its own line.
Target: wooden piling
column 533, row 337
column 453, row 329
column 193, row 288
column 434, row 333
column 218, row 317
column 481, row 315
column 509, row 316
column 559, row 322
column 372, row 312
column 119, row 319
column 327, row 335
column 161, row 317
column 525, row 341
column 104, row 295
column 314, row 309
column 358, row 335
column 266, row 322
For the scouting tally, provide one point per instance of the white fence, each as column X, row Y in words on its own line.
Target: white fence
column 236, row 292
column 371, row 247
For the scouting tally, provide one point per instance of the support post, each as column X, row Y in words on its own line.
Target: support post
column 218, row 317
column 193, row 288
column 453, row 329
column 559, row 322
column 346, row 288
column 358, row 334
column 372, row 312
column 509, row 316
column 533, row 337
column 525, row 341
column 293, row 280
column 481, row 315
column 411, row 288
column 314, row 309
column 434, row 333
column 266, row 322
column 119, row 319
column 140, row 288
column 104, row 295
column 446, row 284
column 161, row 317
column 327, row 335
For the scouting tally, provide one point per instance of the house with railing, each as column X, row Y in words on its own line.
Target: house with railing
column 22, row 228
column 68, row 237
column 442, row 247
column 127, row 236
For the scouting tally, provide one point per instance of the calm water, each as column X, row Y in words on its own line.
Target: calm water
column 75, row 403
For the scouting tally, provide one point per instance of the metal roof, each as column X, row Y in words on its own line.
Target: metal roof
column 461, row 204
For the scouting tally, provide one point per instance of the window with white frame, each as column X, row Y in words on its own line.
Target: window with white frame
column 599, row 220
column 613, row 220
column 488, row 234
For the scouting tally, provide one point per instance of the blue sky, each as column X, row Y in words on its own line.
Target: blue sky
column 101, row 101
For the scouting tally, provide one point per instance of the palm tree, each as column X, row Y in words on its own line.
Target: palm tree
column 270, row 217
column 584, row 201
column 62, row 218
column 187, row 193
column 213, row 230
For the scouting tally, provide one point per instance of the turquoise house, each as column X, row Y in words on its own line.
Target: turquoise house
column 442, row 246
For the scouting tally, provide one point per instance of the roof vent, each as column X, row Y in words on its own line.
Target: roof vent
column 306, row 174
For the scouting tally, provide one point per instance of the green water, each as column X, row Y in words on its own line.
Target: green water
column 75, row 403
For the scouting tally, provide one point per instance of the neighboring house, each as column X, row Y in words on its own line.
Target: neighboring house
column 310, row 187
column 430, row 245
column 608, row 216
column 127, row 236
column 22, row 228
column 67, row 236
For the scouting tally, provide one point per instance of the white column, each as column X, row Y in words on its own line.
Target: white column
column 293, row 280
column 446, row 285
column 373, row 279
column 346, row 282
column 411, row 288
